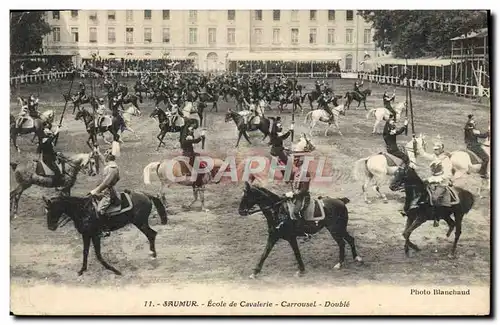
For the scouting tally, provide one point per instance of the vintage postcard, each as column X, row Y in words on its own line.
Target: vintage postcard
column 250, row 162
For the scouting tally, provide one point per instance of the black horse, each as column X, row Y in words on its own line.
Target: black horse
column 351, row 95
column 421, row 211
column 168, row 122
column 81, row 210
column 243, row 127
column 281, row 226
column 116, row 125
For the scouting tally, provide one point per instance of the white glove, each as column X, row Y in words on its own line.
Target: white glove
column 406, row 122
column 93, row 192
column 289, row 194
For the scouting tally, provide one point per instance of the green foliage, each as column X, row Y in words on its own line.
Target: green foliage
column 418, row 33
column 27, row 29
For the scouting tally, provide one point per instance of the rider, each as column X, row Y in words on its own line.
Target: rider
column 110, row 194
column 276, row 141
column 389, row 135
column 300, row 188
column 123, row 91
column 441, row 169
column 323, row 103
column 471, row 135
column 49, row 155
column 356, row 88
column 187, row 140
column 101, row 109
column 387, row 102
column 251, row 107
column 81, row 93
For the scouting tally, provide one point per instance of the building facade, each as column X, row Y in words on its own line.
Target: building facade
column 212, row 37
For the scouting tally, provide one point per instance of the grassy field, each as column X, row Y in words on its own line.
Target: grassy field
column 220, row 246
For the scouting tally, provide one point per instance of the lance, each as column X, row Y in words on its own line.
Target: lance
column 293, row 123
column 65, row 105
column 203, row 131
column 407, row 89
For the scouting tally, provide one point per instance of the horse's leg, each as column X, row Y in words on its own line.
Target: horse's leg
column 246, row 137
column 298, row 257
column 14, row 140
column 364, row 103
column 34, row 137
column 162, row 194
column 151, row 235
column 407, row 233
column 16, row 196
column 337, row 126
column 350, row 240
column 458, row 232
column 86, row 246
column 195, row 197
column 239, row 137
column 202, row 198
column 271, row 241
column 451, row 224
column 160, row 137
column 376, row 188
column 97, row 248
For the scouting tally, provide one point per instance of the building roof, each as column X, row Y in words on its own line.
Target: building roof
column 428, row 61
column 483, row 32
column 299, row 56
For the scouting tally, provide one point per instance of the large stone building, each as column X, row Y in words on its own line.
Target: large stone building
column 212, row 37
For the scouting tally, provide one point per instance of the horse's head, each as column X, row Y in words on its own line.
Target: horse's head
column 54, row 210
column 229, row 115
column 305, row 144
column 404, row 176
column 251, row 197
column 81, row 113
column 417, row 145
column 367, row 92
column 88, row 163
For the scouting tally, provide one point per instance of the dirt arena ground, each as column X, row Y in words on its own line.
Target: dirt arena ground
column 220, row 246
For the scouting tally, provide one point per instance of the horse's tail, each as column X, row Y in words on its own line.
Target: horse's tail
column 303, row 98
column 345, row 200
column 360, row 171
column 346, row 94
column 370, row 112
column 467, row 199
column 308, row 117
column 13, row 166
column 147, row 171
column 160, row 207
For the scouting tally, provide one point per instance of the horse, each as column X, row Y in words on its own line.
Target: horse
column 378, row 166
column 135, row 209
column 77, row 101
column 466, row 162
column 128, row 99
column 320, row 115
column 169, row 122
column 382, row 114
column 29, row 125
column 36, row 173
column 352, row 95
column 263, row 124
column 189, row 108
column 169, row 169
column 111, row 124
column 212, row 97
column 311, row 96
column 262, row 177
column 281, row 226
column 420, row 208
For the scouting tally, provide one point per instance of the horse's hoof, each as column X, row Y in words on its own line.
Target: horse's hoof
column 152, row 254
column 252, row 276
column 15, row 216
column 452, row 256
column 81, row 272
column 337, row 266
column 385, row 201
column 368, row 201
column 359, row 259
column 205, row 210
column 117, row 272
column 300, row 273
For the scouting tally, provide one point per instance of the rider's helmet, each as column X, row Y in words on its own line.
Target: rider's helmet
column 438, row 147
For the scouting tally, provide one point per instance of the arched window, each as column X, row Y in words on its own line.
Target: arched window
column 348, row 62
column 194, row 56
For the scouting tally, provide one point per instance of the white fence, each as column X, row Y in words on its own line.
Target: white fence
column 450, row 88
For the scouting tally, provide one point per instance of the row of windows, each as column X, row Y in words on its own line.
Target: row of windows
column 212, row 35
column 193, row 15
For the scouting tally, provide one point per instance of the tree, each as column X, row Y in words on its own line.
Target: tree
column 27, row 29
column 418, row 33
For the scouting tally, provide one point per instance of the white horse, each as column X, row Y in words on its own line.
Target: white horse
column 376, row 168
column 127, row 118
column 320, row 115
column 383, row 113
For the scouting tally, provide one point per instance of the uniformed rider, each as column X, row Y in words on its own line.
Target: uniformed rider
column 300, row 188
column 187, row 140
column 276, row 140
column 390, row 133
column 471, row 136
column 387, row 102
column 49, row 155
column 107, row 188
column 357, row 86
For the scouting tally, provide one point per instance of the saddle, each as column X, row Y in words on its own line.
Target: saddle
column 474, row 159
column 393, row 161
column 186, row 168
column 124, row 205
column 314, row 212
column 440, row 195
column 25, row 122
column 42, row 169
column 104, row 121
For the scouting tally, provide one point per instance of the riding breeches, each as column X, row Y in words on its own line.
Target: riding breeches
column 51, row 163
column 302, row 203
column 398, row 153
column 476, row 148
column 389, row 107
column 107, row 200
column 280, row 153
